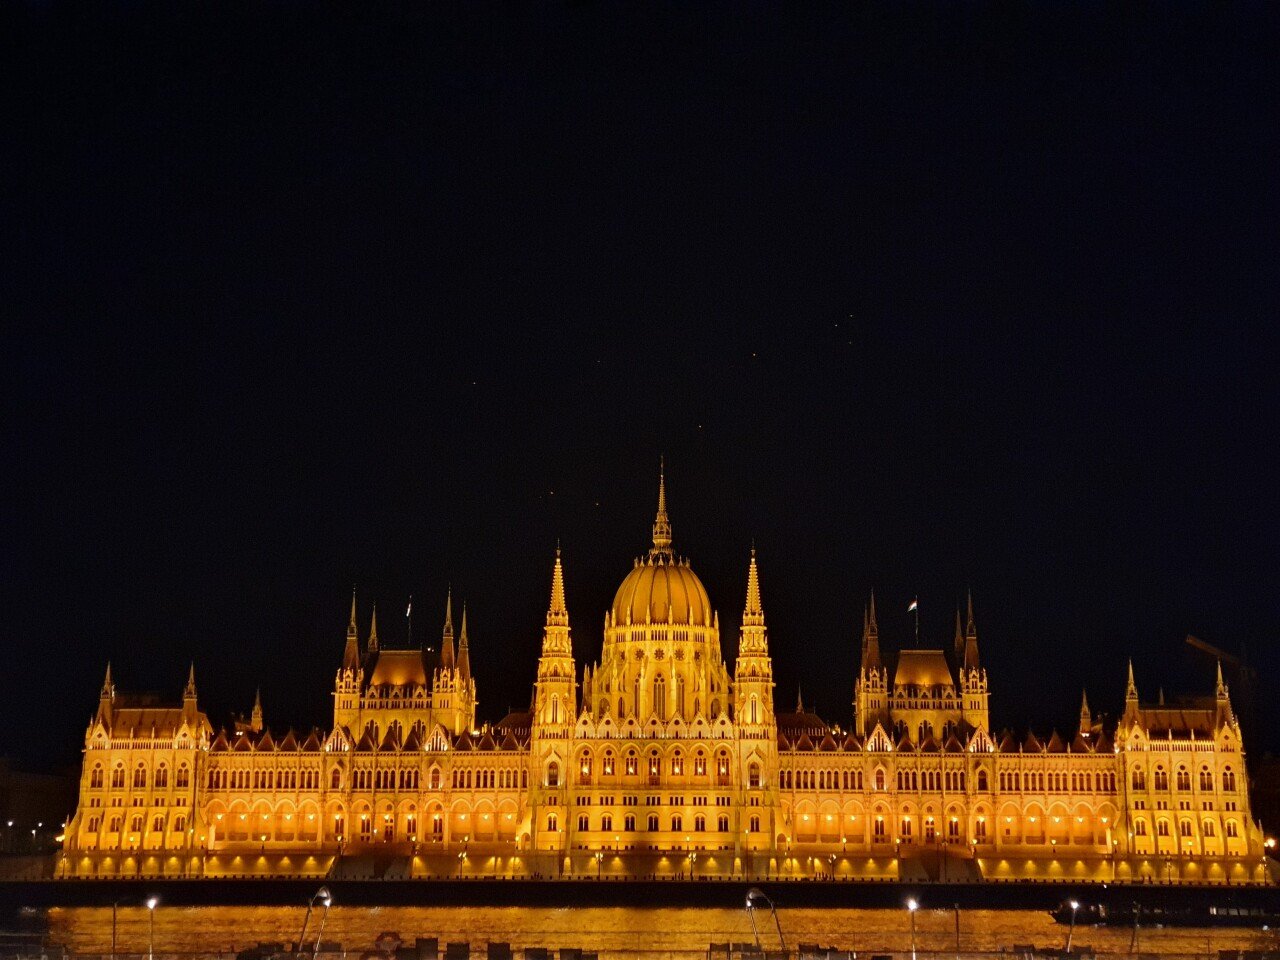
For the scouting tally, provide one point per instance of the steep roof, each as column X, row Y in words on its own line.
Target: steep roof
column 922, row 668
column 399, row 668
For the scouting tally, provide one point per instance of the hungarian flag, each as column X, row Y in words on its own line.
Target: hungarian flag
column 912, row 606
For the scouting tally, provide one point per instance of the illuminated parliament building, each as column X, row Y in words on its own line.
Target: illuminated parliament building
column 662, row 758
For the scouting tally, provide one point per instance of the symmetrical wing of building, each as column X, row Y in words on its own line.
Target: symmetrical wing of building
column 661, row 758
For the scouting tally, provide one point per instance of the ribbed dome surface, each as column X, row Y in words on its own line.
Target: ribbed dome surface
column 660, row 590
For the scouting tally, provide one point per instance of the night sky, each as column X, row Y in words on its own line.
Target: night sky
column 919, row 297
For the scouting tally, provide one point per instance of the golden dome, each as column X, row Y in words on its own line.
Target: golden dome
column 661, row 589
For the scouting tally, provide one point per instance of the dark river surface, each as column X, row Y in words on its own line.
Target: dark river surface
column 620, row 932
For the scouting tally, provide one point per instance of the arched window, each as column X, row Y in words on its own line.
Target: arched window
column 183, row 779
column 1162, row 827
column 1162, row 779
column 584, row 768
column 753, row 714
column 552, row 822
column 162, row 776
column 1228, row 780
column 1139, row 778
column 608, row 763
column 677, row 763
column 699, row 823
column 117, row 775
column 1208, row 829
column 680, row 711
column 1206, row 779
column 653, row 822
column 1231, row 829
column 335, row 779
column 1139, row 828
column 606, row 822
column 700, row 765
column 982, row 781
column 553, row 774
column 555, row 709
column 435, row 778
column 880, row 779
column 660, row 696
column 629, row 823
column 1184, row 778
column 95, row 778
column 753, row 775
column 1184, row 827
column 722, row 823
column 631, row 763
column 140, row 776
column 677, row 822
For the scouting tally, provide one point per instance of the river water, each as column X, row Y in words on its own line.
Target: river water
column 618, row 933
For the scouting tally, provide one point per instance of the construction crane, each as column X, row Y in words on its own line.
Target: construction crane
column 1242, row 678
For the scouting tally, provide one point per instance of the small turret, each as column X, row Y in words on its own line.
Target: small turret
column 871, row 640
column 959, row 641
column 661, row 522
column 373, row 630
column 255, row 717
column 189, row 691
column 1086, row 717
column 106, row 697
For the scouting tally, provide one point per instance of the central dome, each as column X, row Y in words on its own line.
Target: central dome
column 662, row 588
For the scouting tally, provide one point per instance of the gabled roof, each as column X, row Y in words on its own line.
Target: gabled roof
column 828, row 743
column 1031, row 744
column 391, row 742
column 313, row 741
column 929, row 745
column 265, row 742
column 1007, row 743
column 242, row 743
column 367, row 742
column 413, row 741
column 953, row 745
column 904, row 744
column 1055, row 744
column 399, row 668
column 1190, row 714
column 290, row 741
column 220, row 742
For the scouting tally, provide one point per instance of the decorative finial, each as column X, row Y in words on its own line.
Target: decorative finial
column 108, row 688
column 1131, row 688
column 189, row 692
column 799, row 699
column 351, row 625
column 971, row 629
column 872, row 629
column 373, row 627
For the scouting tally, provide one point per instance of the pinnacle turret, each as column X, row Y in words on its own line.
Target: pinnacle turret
column 373, row 630
column 189, row 692
column 255, row 717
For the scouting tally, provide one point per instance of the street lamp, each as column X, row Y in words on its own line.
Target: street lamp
column 152, row 903
column 599, row 863
column 324, row 897
column 912, row 907
column 1071, row 930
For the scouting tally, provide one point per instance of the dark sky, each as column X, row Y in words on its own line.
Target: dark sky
column 920, row 297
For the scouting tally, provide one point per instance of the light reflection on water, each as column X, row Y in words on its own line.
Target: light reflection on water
column 617, row 931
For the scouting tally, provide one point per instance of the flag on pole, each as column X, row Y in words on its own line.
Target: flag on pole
column 912, row 606
column 409, row 611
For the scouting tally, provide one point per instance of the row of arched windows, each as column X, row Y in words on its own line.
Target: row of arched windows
column 182, row 778
column 221, row 778
column 1160, row 778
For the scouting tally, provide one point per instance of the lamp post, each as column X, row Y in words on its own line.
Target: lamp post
column 152, row 903
column 1071, row 930
column 912, row 907
column 599, row 863
column 324, row 897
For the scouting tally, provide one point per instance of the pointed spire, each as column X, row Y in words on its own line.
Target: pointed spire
column 464, row 651
column 255, row 717
column 799, row 699
column 351, row 653
column 959, row 637
column 1131, row 688
column 1160, row 696
column 1086, row 717
column 870, row 637
column 971, row 639
column 661, row 522
column 189, row 692
column 557, row 614
column 1220, row 686
column 970, row 629
column 753, row 614
column 373, row 630
column 446, row 638
column 108, row 688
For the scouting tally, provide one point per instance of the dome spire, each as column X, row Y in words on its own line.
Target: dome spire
column 661, row 523
column 753, row 615
column 557, row 614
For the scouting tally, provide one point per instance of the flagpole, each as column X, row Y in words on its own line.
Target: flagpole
column 408, row 615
